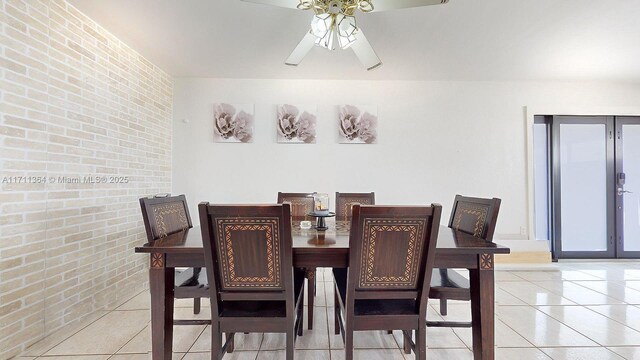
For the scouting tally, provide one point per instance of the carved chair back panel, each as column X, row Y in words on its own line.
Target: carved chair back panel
column 475, row 216
column 165, row 216
column 345, row 202
column 391, row 253
column 301, row 204
column 249, row 253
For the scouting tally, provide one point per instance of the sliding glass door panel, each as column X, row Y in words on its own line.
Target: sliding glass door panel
column 583, row 165
column 583, row 152
column 628, row 185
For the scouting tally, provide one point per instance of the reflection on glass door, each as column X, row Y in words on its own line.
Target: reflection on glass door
column 628, row 186
column 583, row 197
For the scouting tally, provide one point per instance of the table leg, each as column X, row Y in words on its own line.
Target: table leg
column 311, row 292
column 161, row 283
column 483, row 308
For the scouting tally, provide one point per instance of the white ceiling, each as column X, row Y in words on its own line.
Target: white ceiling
column 463, row 40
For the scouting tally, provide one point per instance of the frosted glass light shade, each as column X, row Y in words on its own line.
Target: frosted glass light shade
column 320, row 25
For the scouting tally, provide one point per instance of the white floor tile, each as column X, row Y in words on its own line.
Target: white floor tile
column 576, row 293
column 540, row 329
column 59, row 336
column 625, row 314
column 521, row 354
column 370, row 354
column 141, row 301
column 533, row 294
column 505, row 336
column 104, row 336
column 236, row 355
column 629, row 353
column 616, row 290
column 445, row 354
column 298, row 355
column 581, row 354
column 593, row 325
column 250, row 341
column 569, row 310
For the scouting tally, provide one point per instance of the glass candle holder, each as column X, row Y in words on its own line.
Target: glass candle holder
column 321, row 203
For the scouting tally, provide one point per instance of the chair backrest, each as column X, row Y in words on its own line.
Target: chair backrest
column 248, row 251
column 345, row 201
column 475, row 216
column 391, row 252
column 301, row 204
column 164, row 215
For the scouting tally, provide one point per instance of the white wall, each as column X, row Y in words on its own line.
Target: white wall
column 436, row 139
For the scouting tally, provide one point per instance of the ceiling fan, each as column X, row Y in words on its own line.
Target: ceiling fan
column 335, row 19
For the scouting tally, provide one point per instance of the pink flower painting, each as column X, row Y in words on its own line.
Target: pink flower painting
column 357, row 124
column 296, row 124
column 233, row 123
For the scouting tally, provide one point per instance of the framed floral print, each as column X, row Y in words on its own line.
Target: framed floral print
column 233, row 123
column 296, row 124
column 357, row 124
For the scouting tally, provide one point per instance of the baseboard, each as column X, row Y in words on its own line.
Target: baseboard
column 524, row 257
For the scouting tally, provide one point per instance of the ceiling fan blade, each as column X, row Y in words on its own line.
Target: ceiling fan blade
column 365, row 53
column 291, row 4
column 304, row 46
column 384, row 5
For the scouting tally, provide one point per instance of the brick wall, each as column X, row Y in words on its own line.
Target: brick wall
column 75, row 103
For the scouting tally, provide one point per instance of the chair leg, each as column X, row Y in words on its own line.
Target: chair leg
column 443, row 307
column 336, row 311
column 348, row 343
column 311, row 276
column 216, row 342
column 232, row 342
column 406, row 341
column 290, row 343
column 300, row 312
column 196, row 306
column 421, row 340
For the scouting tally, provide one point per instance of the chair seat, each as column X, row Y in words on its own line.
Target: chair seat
column 263, row 308
column 190, row 285
column 373, row 307
column 448, row 284
column 185, row 278
column 448, row 278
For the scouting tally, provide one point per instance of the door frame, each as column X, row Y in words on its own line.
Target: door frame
column 619, row 202
column 610, row 252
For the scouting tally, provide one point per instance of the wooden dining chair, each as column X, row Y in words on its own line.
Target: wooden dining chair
column 165, row 215
column 249, row 261
column 391, row 256
column 301, row 205
column 345, row 201
column 475, row 216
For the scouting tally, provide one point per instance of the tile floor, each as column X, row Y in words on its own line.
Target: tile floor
column 569, row 310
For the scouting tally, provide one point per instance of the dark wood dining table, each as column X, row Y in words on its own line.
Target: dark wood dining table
column 314, row 249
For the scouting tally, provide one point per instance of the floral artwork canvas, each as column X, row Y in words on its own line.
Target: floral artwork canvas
column 233, row 123
column 357, row 124
column 296, row 124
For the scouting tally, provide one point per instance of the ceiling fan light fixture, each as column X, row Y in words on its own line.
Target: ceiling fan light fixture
column 327, row 41
column 321, row 24
column 347, row 30
column 336, row 19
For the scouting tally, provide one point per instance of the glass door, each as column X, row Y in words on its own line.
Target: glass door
column 627, row 184
column 583, row 172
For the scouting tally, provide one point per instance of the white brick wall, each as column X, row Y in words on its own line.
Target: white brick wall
column 74, row 102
